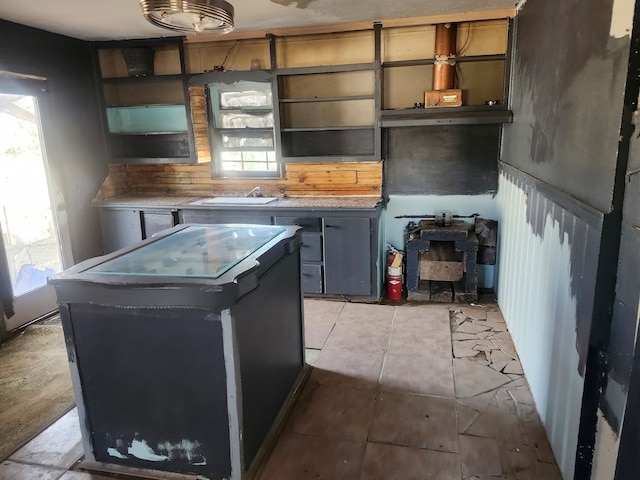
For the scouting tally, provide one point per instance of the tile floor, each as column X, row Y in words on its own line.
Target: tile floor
column 398, row 392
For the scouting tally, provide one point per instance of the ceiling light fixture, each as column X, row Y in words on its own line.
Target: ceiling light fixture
column 189, row 16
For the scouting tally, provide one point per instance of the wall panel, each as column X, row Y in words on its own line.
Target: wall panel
column 546, row 268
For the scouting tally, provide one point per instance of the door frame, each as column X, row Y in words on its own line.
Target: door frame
column 37, row 87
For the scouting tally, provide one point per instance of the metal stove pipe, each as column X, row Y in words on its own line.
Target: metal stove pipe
column 444, row 66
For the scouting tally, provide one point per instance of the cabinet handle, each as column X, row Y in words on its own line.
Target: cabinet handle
column 331, row 226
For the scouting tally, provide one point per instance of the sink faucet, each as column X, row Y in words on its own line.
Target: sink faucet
column 255, row 192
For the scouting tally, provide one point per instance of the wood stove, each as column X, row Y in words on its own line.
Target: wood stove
column 441, row 262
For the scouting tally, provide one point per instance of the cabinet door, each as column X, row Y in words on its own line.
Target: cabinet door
column 311, row 278
column 347, row 259
column 119, row 229
column 154, row 222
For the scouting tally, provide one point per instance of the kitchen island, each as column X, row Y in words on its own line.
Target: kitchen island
column 184, row 348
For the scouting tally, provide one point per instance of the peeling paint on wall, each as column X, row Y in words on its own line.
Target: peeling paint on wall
column 166, row 451
column 622, row 18
column 141, row 449
column 184, row 449
column 624, row 328
column 569, row 75
column 581, row 236
column 606, row 451
column 115, row 453
column 536, row 298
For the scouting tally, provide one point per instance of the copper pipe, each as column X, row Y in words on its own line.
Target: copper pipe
column 443, row 72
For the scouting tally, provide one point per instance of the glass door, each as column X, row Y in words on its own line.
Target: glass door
column 28, row 224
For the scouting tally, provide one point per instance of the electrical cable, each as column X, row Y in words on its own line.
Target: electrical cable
column 465, row 45
column 459, row 76
column 226, row 57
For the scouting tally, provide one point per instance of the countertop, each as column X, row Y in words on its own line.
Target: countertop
column 307, row 202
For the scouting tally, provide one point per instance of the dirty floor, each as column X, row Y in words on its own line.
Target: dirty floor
column 397, row 392
column 35, row 385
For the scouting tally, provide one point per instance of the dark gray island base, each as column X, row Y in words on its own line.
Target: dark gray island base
column 184, row 348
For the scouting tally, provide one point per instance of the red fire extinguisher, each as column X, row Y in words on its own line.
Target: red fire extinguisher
column 394, row 275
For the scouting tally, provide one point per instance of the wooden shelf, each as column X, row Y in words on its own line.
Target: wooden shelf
column 331, row 144
column 249, row 110
column 246, row 132
column 445, row 116
column 144, row 105
column 139, row 134
column 352, row 67
column 328, row 99
column 150, row 160
column 142, row 79
column 332, row 158
column 326, row 129
column 247, row 149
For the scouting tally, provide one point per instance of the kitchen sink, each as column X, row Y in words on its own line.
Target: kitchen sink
column 236, row 201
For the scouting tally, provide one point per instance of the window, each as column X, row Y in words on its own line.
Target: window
column 242, row 133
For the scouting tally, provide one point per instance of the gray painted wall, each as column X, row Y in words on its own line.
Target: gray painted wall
column 556, row 198
column 544, row 250
column 568, row 84
column 70, row 122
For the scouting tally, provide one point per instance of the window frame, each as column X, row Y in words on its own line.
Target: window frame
column 214, row 111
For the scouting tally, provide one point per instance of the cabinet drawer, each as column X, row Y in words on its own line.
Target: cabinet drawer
column 219, row 217
column 311, row 278
column 311, row 250
column 310, row 224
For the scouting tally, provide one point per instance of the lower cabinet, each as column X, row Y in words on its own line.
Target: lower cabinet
column 348, row 257
column 339, row 251
column 119, row 228
column 339, row 254
column 123, row 227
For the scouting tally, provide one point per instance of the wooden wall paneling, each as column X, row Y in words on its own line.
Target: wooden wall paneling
column 469, row 16
column 336, row 49
column 239, row 53
column 355, row 178
column 115, row 184
column 200, row 123
column 482, row 38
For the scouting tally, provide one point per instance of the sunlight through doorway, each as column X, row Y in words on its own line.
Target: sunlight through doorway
column 28, row 224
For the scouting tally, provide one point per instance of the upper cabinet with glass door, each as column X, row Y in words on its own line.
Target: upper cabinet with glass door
column 144, row 95
column 242, row 130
